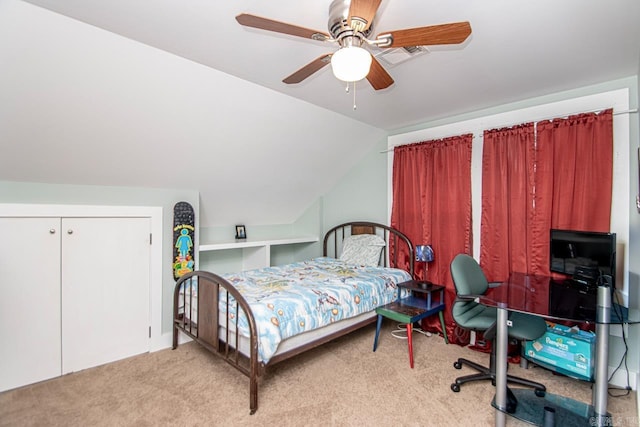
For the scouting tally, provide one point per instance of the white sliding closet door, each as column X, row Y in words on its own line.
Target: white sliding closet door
column 29, row 300
column 105, row 290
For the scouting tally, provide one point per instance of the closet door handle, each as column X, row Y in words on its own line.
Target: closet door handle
column 52, row 231
column 69, row 231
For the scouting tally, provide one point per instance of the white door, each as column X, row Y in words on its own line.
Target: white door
column 29, row 300
column 105, row 290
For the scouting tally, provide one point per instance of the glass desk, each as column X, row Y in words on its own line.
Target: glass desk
column 541, row 295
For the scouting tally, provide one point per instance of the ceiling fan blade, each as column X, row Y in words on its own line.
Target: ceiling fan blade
column 361, row 13
column 280, row 27
column 308, row 69
column 453, row 33
column 378, row 76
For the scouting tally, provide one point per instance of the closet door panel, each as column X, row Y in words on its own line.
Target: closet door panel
column 29, row 300
column 105, row 290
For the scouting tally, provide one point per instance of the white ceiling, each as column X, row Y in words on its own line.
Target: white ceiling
column 518, row 49
column 81, row 105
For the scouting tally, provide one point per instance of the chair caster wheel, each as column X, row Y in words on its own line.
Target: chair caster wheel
column 455, row 387
column 493, row 383
column 540, row 393
column 457, row 365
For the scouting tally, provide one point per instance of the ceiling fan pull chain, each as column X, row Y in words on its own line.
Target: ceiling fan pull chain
column 354, row 96
column 354, row 93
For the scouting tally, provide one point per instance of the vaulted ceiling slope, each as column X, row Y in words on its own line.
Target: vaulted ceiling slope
column 517, row 49
column 177, row 94
column 81, row 105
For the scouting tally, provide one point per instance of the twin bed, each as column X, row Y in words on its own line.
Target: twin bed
column 257, row 318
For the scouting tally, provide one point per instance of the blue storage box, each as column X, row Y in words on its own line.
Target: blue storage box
column 569, row 351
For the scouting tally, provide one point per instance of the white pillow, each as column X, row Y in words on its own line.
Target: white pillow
column 362, row 249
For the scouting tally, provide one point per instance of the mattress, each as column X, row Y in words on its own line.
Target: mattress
column 295, row 299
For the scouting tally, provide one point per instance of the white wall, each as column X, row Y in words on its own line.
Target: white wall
column 362, row 193
column 81, row 105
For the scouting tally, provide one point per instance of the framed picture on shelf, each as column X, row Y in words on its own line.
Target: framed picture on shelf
column 241, row 233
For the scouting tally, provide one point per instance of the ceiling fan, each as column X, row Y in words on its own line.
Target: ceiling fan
column 350, row 25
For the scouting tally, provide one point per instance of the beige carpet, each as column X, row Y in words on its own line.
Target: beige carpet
column 340, row 384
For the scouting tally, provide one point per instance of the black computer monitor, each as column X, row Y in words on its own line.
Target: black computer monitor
column 583, row 255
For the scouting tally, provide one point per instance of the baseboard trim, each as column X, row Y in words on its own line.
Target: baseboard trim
column 166, row 341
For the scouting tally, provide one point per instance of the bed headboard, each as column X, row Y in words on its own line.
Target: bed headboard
column 333, row 239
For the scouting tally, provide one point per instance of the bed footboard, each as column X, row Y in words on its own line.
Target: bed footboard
column 196, row 313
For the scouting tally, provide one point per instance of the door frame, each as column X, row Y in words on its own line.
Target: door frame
column 154, row 213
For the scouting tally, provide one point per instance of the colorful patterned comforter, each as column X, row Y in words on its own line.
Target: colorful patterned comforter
column 299, row 297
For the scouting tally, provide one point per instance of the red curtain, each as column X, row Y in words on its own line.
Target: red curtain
column 558, row 175
column 432, row 205
column 507, row 192
column 574, row 177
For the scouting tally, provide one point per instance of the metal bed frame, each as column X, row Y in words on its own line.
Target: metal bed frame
column 221, row 336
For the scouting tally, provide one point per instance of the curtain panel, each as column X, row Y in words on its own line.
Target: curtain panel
column 507, row 201
column 575, row 176
column 432, row 205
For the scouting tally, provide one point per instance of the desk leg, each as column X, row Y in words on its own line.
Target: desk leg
column 603, row 316
column 501, row 342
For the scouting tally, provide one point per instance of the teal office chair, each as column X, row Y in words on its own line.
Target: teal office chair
column 469, row 279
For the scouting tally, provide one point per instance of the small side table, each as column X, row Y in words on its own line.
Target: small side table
column 425, row 299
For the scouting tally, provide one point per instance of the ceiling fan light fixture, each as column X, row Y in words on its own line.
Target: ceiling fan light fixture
column 351, row 63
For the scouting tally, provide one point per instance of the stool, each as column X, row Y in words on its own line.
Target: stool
column 413, row 309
